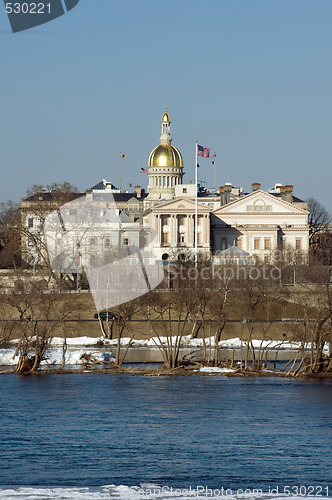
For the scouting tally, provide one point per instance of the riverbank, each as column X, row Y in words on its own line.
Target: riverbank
column 195, row 356
column 161, row 371
column 73, row 314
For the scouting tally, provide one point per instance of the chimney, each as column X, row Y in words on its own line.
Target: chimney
column 221, row 191
column 288, row 193
column 255, row 186
column 138, row 191
column 227, row 192
column 88, row 195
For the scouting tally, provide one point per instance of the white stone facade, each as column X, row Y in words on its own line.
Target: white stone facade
column 174, row 224
column 259, row 223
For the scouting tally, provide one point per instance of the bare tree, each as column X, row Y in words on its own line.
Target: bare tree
column 34, row 311
column 170, row 315
column 125, row 313
column 314, row 330
column 319, row 218
column 10, row 249
column 38, row 204
column 219, row 308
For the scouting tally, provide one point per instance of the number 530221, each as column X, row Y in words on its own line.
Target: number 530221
column 28, row 8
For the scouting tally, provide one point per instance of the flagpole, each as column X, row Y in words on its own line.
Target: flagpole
column 196, row 207
column 214, row 164
column 120, row 170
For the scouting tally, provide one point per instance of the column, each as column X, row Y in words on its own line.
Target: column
column 190, row 230
column 207, row 227
column 158, row 228
column 186, row 225
column 175, row 232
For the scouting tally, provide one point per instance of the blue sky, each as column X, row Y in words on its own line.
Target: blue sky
column 251, row 79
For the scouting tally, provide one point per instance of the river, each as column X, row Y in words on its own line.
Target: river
column 74, row 431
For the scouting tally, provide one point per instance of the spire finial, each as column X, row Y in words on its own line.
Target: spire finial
column 165, row 137
column 165, row 117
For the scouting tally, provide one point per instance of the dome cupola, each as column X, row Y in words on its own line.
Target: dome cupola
column 165, row 164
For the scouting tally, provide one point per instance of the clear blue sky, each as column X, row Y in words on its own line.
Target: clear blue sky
column 251, row 79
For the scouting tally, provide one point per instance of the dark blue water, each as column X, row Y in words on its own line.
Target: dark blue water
column 221, row 432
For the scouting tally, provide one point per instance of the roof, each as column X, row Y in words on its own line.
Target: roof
column 292, row 207
column 127, row 196
column 124, row 218
column 295, row 199
column 233, row 251
column 53, row 196
column 102, row 185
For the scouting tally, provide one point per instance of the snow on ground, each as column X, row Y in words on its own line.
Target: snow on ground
column 80, row 345
column 215, row 369
column 186, row 341
column 7, row 357
column 75, row 341
column 54, row 357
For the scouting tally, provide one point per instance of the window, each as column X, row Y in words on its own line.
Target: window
column 256, row 243
column 30, row 222
column 223, row 243
column 259, row 208
column 298, row 244
column 184, row 190
column 267, row 244
column 181, row 239
column 239, row 243
column 125, row 242
column 107, row 242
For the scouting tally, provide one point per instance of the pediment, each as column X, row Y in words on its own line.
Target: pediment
column 259, row 202
column 180, row 205
column 133, row 200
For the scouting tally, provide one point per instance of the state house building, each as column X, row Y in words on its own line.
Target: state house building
column 230, row 221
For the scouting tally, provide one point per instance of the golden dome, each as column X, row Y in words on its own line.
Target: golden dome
column 165, row 117
column 165, row 155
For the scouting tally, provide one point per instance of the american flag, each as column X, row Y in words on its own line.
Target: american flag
column 205, row 152
column 144, row 170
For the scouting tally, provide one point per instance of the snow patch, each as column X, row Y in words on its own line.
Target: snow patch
column 54, row 357
column 215, row 369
